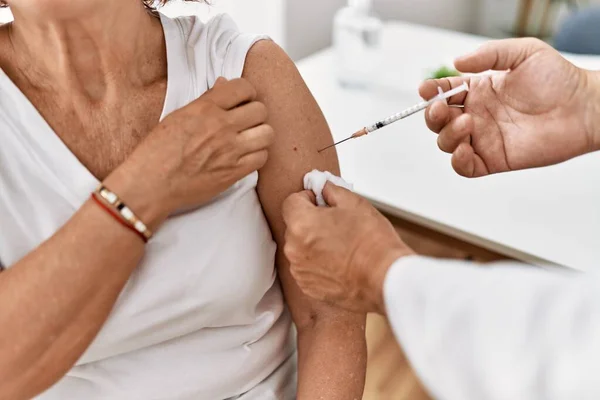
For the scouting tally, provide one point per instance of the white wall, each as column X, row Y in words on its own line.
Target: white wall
column 449, row 14
column 309, row 25
column 308, row 22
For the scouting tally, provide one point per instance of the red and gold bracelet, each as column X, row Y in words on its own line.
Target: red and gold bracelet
column 111, row 203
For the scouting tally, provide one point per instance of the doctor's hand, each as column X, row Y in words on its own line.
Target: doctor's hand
column 542, row 112
column 340, row 254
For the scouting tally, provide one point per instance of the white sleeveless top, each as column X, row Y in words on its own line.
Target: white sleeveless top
column 202, row 317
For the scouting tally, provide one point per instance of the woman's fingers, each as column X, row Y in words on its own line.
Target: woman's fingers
column 253, row 161
column 467, row 163
column 255, row 139
column 230, row 94
column 457, row 131
column 248, row 116
column 438, row 115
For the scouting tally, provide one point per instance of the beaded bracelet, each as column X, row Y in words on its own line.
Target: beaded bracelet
column 113, row 204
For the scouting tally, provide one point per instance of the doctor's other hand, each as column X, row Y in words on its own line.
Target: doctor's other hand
column 543, row 111
column 340, row 254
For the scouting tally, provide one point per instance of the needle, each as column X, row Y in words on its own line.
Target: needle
column 406, row 113
column 335, row 144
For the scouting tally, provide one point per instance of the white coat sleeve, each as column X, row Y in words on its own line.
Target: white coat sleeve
column 505, row 332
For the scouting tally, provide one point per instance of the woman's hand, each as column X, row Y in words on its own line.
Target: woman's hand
column 542, row 112
column 340, row 254
column 196, row 152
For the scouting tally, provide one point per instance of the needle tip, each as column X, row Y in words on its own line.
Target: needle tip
column 360, row 133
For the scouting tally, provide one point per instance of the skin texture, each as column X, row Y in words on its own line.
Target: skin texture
column 56, row 298
column 516, row 120
column 511, row 121
column 331, row 341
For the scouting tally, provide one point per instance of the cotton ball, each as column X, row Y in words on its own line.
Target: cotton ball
column 316, row 180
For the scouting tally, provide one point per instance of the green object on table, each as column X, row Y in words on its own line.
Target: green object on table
column 444, row 72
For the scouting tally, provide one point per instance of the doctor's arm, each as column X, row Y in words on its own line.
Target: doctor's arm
column 499, row 332
column 331, row 341
column 508, row 331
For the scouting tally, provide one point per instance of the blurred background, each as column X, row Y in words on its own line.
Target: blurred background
column 304, row 27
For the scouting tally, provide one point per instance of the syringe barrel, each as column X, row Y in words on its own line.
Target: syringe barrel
column 397, row 117
column 416, row 108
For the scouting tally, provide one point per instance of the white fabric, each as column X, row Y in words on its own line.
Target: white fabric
column 316, row 180
column 203, row 316
column 506, row 332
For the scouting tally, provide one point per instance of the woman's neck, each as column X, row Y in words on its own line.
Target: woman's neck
column 93, row 48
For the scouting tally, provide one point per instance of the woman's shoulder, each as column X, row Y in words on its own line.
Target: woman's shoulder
column 217, row 45
column 197, row 30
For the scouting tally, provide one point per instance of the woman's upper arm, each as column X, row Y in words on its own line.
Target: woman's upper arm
column 300, row 129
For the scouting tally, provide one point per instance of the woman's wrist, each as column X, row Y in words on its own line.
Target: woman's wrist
column 140, row 195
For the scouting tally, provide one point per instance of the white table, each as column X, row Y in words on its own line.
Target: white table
column 543, row 216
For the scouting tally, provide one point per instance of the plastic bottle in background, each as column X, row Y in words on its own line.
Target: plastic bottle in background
column 356, row 40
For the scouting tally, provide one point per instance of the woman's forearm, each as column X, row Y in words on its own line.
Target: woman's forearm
column 55, row 299
column 332, row 358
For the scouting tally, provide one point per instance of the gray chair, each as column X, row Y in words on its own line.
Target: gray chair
column 580, row 32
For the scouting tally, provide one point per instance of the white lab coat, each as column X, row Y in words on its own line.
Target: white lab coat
column 506, row 332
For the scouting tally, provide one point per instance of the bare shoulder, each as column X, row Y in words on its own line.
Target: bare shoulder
column 299, row 124
column 266, row 58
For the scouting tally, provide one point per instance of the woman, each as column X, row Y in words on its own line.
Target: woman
column 89, row 311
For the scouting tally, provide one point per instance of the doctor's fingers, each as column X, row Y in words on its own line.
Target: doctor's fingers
column 430, row 88
column 458, row 131
column 298, row 205
column 337, row 196
column 467, row 163
column 439, row 114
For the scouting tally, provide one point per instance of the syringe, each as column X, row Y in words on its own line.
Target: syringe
column 403, row 114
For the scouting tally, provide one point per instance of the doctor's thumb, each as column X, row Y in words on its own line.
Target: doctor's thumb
column 499, row 55
column 297, row 204
column 337, row 196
